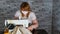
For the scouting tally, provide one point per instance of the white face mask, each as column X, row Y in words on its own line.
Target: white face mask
column 25, row 12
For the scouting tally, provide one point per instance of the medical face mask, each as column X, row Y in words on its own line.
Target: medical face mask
column 25, row 12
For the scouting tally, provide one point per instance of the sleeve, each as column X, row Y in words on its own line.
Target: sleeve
column 33, row 16
column 17, row 14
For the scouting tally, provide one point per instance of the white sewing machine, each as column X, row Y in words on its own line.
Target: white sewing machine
column 17, row 22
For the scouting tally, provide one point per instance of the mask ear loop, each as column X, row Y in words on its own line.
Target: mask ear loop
column 28, row 14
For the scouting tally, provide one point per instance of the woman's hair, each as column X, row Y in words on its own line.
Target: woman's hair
column 26, row 7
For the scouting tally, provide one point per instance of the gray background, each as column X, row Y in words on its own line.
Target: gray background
column 56, row 16
column 47, row 12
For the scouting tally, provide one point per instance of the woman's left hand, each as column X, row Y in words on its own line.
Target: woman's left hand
column 30, row 28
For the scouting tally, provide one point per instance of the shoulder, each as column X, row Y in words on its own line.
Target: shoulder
column 32, row 13
column 18, row 11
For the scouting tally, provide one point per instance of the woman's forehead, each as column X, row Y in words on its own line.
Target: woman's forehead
column 26, row 8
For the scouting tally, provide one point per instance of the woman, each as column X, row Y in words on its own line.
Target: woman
column 25, row 13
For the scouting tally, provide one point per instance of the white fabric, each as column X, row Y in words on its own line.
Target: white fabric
column 18, row 31
column 21, row 30
column 31, row 17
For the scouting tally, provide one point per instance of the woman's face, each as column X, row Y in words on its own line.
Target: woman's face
column 24, row 10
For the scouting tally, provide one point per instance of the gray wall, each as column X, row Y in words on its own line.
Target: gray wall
column 47, row 12
column 56, row 17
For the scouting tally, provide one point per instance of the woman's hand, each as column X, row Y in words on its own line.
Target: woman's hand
column 30, row 28
column 34, row 25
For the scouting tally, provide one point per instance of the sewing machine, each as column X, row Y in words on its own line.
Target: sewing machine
column 17, row 22
column 24, row 23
